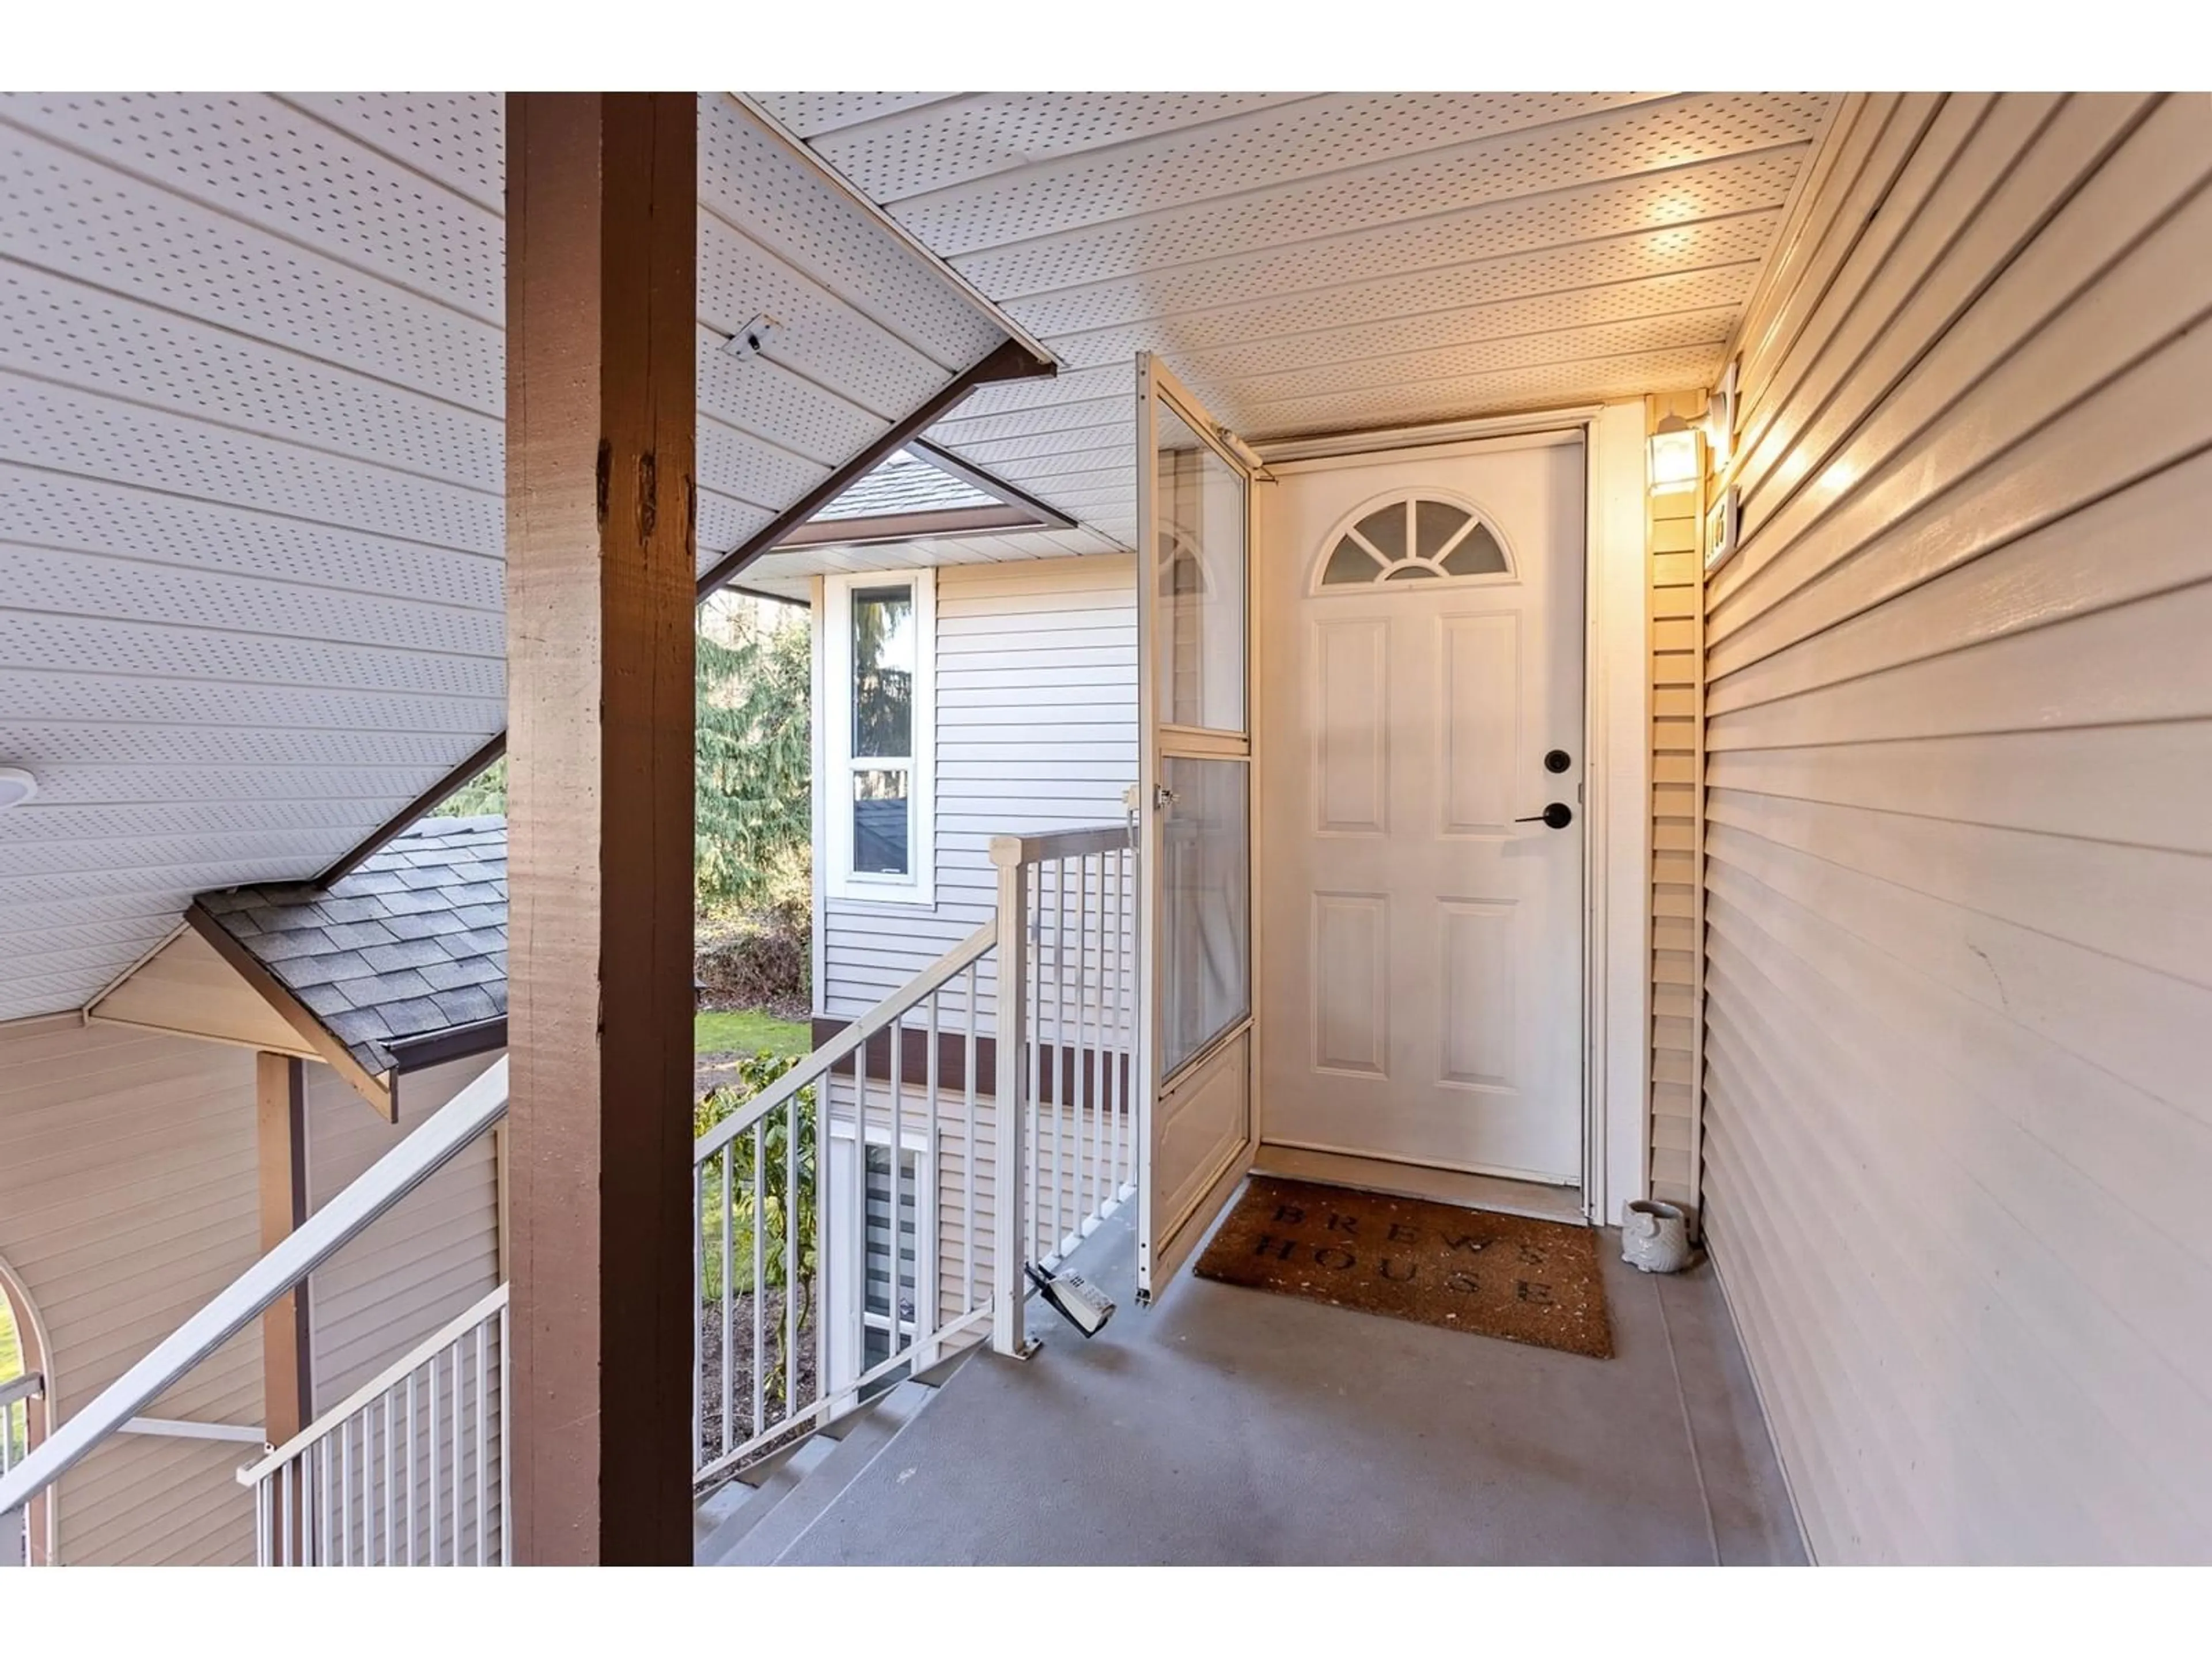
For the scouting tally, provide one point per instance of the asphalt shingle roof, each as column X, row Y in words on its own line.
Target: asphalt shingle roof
column 904, row 483
column 412, row 944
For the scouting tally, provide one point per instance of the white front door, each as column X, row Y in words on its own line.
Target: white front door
column 1422, row 699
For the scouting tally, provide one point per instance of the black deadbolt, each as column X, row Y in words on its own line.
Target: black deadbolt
column 1557, row 761
column 1558, row 816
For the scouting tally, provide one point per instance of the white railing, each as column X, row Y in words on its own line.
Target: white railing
column 409, row 1469
column 769, row 1363
column 16, row 1397
column 1067, row 1004
column 412, row 1467
column 115, row 1409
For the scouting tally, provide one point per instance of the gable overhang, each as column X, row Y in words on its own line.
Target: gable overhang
column 375, row 1087
column 255, row 574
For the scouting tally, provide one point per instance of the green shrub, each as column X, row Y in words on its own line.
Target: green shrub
column 769, row 1204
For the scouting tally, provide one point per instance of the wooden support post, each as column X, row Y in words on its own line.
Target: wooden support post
column 288, row 1377
column 601, row 217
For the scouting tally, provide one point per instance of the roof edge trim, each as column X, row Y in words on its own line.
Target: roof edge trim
column 1007, row 361
column 831, row 175
column 372, row 1087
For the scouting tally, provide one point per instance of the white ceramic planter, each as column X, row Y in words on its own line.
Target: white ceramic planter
column 1656, row 1237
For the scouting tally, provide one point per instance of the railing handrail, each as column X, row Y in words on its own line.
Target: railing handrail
column 436, row 1343
column 31, row 1385
column 371, row 1195
column 1007, row 851
column 811, row 1070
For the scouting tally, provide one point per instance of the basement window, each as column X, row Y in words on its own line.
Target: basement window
column 887, row 1301
column 880, row 721
column 880, row 1281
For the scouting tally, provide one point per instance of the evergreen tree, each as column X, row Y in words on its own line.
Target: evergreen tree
column 753, row 828
column 754, row 767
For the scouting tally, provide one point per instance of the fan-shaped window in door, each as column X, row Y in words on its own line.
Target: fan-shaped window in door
column 1414, row 538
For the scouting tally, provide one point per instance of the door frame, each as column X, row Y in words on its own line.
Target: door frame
column 1617, row 770
column 1160, row 1257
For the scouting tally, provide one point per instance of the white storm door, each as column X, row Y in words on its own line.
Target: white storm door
column 1424, row 676
column 1194, row 1064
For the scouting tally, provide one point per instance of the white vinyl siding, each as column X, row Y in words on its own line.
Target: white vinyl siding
column 1037, row 730
column 428, row 1260
column 1958, row 1132
column 128, row 1183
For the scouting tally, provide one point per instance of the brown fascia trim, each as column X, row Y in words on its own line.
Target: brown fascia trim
column 912, row 527
column 374, row 841
column 410, row 1054
column 1086, row 1075
column 1047, row 516
column 460, row 1042
column 372, row 1087
column 1008, row 360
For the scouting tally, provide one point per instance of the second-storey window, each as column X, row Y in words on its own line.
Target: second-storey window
column 880, row 721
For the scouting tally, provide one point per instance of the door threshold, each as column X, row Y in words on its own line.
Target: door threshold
column 1454, row 1187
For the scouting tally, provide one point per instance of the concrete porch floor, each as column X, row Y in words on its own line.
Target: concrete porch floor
column 1230, row 1426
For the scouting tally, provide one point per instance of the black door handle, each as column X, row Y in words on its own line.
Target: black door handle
column 1558, row 816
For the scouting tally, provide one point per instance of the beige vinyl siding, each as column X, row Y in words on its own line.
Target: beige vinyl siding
column 425, row 1261
column 1958, row 853
column 1672, row 533
column 187, row 988
column 1037, row 730
column 128, row 1173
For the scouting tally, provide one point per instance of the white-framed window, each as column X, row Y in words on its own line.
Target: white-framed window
column 878, row 715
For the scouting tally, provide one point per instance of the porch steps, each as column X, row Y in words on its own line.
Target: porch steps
column 753, row 1521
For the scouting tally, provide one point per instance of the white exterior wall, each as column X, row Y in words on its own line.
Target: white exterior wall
column 1959, row 855
column 1037, row 730
column 128, row 1181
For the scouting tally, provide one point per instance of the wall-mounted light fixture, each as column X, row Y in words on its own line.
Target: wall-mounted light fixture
column 1674, row 452
column 1720, row 420
column 16, row 786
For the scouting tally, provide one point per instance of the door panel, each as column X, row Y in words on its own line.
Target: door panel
column 1477, row 708
column 1423, row 619
column 1350, row 947
column 1194, row 779
column 1203, row 1134
column 1477, row 948
column 1352, row 694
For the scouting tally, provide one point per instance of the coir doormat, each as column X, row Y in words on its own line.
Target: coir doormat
column 1466, row 1270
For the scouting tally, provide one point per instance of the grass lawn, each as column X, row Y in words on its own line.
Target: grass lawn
column 745, row 1030
column 11, row 1363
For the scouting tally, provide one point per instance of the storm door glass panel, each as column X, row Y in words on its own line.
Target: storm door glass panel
column 883, row 659
column 1205, row 917
column 1199, row 570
